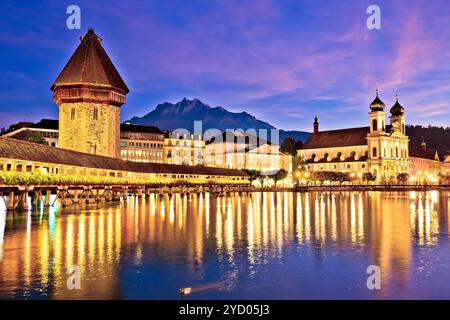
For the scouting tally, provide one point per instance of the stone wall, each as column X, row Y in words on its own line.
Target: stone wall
column 84, row 129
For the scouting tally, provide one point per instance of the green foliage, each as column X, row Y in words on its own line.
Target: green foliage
column 323, row 176
column 261, row 179
column 290, row 145
column 30, row 136
column 402, row 178
column 279, row 175
column 27, row 179
column 369, row 177
column 437, row 138
column 252, row 174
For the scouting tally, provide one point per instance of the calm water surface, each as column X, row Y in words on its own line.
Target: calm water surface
column 259, row 246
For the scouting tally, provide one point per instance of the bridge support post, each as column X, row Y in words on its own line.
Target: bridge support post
column 34, row 199
column 10, row 204
column 48, row 193
column 75, row 196
column 24, row 200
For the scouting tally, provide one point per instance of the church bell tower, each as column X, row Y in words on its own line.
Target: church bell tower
column 89, row 93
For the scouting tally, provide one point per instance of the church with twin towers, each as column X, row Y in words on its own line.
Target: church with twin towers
column 381, row 148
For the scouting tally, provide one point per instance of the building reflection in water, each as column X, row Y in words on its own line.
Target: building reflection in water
column 37, row 248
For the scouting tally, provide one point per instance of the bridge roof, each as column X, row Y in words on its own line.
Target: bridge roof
column 28, row 151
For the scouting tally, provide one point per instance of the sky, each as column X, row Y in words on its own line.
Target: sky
column 282, row 61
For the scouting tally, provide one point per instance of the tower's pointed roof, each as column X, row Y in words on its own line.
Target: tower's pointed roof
column 90, row 64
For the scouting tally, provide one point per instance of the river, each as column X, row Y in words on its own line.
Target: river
column 274, row 245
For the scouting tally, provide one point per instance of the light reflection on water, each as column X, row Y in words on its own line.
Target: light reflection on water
column 263, row 245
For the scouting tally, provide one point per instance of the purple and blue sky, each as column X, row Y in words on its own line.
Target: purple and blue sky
column 283, row 61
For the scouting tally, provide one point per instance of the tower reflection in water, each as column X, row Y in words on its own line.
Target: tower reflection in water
column 235, row 238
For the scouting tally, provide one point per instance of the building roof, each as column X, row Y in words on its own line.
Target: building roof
column 90, row 64
column 50, row 124
column 425, row 154
column 28, row 151
column 16, row 126
column 338, row 138
column 127, row 127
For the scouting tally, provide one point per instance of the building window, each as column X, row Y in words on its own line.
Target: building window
column 374, row 152
column 375, row 125
column 72, row 114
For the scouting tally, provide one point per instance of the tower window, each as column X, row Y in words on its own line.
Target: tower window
column 72, row 114
column 375, row 125
column 374, row 152
column 95, row 113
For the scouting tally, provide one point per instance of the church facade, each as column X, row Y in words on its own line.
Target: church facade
column 380, row 148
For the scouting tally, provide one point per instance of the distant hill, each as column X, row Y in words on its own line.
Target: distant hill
column 169, row 116
column 436, row 138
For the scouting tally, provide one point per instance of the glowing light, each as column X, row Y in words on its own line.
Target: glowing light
column 185, row 291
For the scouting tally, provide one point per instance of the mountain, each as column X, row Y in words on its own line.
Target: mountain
column 169, row 116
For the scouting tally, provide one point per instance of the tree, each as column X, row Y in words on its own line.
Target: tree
column 369, row 177
column 288, row 146
column 30, row 136
column 279, row 175
column 402, row 178
column 252, row 174
column 261, row 178
column 298, row 144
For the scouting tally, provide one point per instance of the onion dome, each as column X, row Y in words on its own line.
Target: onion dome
column 397, row 109
column 377, row 104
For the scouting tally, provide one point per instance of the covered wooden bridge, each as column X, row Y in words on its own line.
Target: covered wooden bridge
column 29, row 169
